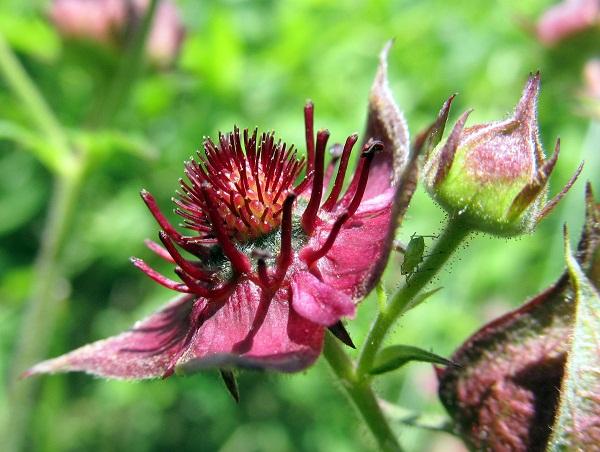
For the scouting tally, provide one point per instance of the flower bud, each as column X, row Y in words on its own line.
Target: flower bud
column 494, row 176
column 109, row 23
column 511, row 377
column 567, row 19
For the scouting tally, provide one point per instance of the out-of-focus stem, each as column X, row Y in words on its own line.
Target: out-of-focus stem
column 361, row 394
column 447, row 243
column 20, row 83
column 41, row 311
column 128, row 70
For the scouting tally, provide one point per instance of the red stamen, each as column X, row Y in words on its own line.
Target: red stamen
column 336, row 153
column 250, row 146
column 238, row 260
column 159, row 250
column 310, row 255
column 264, row 214
column 215, row 155
column 271, row 168
column 162, row 280
column 197, row 289
column 305, row 182
column 160, row 218
column 309, row 125
column 186, row 265
column 286, row 253
column 310, row 214
column 370, row 148
column 281, row 164
column 341, row 174
column 287, row 180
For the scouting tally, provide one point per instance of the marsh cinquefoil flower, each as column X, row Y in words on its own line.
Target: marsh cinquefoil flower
column 273, row 263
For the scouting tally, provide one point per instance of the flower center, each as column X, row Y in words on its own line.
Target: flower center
column 248, row 185
column 239, row 193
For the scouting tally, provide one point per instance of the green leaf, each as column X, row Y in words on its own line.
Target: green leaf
column 33, row 143
column 426, row 421
column 577, row 422
column 31, row 35
column 395, row 356
column 103, row 144
column 421, row 298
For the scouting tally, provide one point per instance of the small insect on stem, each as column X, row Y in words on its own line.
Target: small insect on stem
column 413, row 255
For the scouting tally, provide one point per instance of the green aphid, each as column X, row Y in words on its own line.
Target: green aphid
column 413, row 255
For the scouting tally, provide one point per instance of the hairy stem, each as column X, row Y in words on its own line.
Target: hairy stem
column 400, row 302
column 361, row 394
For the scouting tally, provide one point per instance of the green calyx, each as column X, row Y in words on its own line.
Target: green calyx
column 486, row 205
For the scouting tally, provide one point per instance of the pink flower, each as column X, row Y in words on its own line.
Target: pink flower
column 273, row 263
column 566, row 19
column 96, row 20
column 108, row 22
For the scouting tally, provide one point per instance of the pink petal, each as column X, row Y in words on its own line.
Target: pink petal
column 355, row 262
column 252, row 331
column 566, row 19
column 146, row 351
column 357, row 259
column 318, row 302
column 246, row 330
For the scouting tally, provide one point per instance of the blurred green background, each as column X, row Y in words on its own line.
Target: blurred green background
column 255, row 63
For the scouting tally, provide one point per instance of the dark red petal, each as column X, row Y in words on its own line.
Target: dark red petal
column 247, row 330
column 318, row 302
column 145, row 351
column 385, row 122
column 252, row 331
column 360, row 252
column 355, row 262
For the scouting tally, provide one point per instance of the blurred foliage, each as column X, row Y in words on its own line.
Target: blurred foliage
column 255, row 63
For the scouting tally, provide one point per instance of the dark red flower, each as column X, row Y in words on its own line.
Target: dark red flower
column 272, row 263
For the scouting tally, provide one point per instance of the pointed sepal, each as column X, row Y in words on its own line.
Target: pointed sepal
column 230, row 382
column 339, row 330
column 577, row 422
column 550, row 205
column 428, row 139
column 448, row 151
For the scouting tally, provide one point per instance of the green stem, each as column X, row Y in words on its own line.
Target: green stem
column 400, row 302
column 41, row 313
column 127, row 71
column 18, row 80
column 361, row 395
